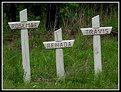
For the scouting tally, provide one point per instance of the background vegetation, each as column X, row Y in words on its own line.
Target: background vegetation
column 78, row 60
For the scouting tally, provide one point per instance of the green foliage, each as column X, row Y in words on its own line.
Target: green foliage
column 73, row 15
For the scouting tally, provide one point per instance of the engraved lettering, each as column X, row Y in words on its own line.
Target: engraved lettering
column 90, row 31
column 48, row 45
column 69, row 44
column 61, row 44
column 56, row 45
column 106, row 31
column 100, row 30
column 65, row 44
column 35, row 24
column 52, row 45
column 95, row 31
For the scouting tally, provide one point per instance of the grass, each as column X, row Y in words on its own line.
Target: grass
column 78, row 64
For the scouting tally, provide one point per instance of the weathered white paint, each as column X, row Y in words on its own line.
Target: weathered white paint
column 58, row 35
column 97, row 54
column 96, row 46
column 60, row 64
column 96, row 31
column 59, row 55
column 99, row 31
column 25, row 47
column 24, row 24
column 58, row 44
column 61, row 44
column 96, row 22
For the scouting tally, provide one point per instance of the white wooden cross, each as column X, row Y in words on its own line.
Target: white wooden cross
column 58, row 44
column 24, row 25
column 96, row 31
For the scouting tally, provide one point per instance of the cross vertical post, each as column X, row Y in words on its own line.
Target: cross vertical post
column 59, row 55
column 96, row 46
column 25, row 47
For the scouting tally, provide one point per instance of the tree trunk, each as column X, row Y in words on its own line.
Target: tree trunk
column 52, row 17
